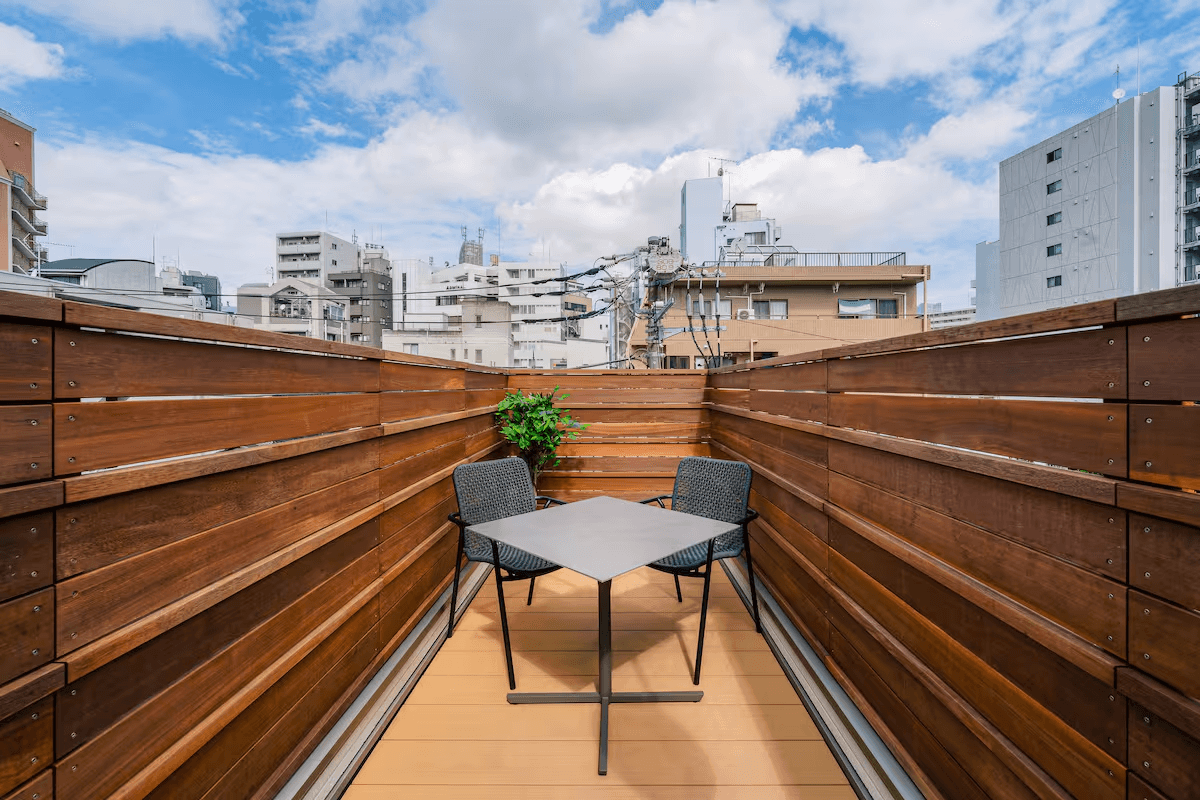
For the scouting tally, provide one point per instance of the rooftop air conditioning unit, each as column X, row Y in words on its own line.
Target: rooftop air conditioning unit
column 745, row 313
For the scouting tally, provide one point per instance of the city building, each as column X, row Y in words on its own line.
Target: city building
column 946, row 319
column 771, row 299
column 451, row 311
column 209, row 286
column 1107, row 208
column 19, row 201
column 362, row 273
column 295, row 306
column 119, row 283
column 708, row 224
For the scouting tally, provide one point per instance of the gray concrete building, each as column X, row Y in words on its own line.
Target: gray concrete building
column 1104, row 209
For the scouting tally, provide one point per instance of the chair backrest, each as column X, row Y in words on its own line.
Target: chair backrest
column 489, row 490
column 708, row 487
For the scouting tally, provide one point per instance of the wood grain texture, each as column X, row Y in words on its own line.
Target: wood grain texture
column 1081, row 364
column 28, row 350
column 26, row 744
column 30, row 307
column 26, row 553
column 1162, row 755
column 90, row 364
column 1164, row 640
column 37, row 788
column 112, row 434
column 1164, row 360
column 26, row 633
column 1087, row 436
column 1162, row 445
column 1164, row 558
column 27, row 441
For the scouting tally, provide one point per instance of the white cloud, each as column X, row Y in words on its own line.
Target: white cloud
column 24, row 58
column 890, row 40
column 386, row 65
column 977, row 133
column 687, row 75
column 126, row 20
column 316, row 128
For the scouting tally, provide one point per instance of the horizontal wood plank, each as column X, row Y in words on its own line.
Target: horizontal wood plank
column 28, row 352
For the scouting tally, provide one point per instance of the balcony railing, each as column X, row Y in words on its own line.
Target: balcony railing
column 214, row 537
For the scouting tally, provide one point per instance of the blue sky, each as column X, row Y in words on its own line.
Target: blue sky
column 205, row 126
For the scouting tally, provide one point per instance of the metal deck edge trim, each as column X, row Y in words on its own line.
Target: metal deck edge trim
column 872, row 769
column 328, row 771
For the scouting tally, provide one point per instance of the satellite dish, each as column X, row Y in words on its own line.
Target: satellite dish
column 720, row 171
column 1118, row 93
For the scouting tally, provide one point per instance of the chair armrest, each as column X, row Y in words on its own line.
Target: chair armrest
column 751, row 515
column 658, row 500
column 456, row 518
column 549, row 501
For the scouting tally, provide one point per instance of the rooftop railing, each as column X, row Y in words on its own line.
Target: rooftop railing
column 214, row 537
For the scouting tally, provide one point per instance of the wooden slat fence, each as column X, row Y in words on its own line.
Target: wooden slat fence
column 991, row 534
column 210, row 539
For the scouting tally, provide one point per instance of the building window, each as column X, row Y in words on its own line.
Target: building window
column 1053, row 187
column 452, row 353
column 411, row 349
column 1053, row 280
column 888, row 309
column 478, row 320
column 770, row 309
column 333, row 245
column 679, row 362
column 1054, row 250
column 1054, row 219
column 725, row 309
column 756, row 238
column 478, row 356
column 334, row 262
column 1053, row 156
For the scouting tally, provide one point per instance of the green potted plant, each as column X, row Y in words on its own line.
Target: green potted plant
column 536, row 427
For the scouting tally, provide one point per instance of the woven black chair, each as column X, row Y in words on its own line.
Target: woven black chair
column 486, row 491
column 718, row 490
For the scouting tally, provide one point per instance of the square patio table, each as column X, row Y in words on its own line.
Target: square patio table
column 603, row 537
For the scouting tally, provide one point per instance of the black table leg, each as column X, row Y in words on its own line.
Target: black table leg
column 605, row 696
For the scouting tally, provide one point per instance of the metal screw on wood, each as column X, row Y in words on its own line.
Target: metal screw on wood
column 70, row 417
column 1145, row 338
column 1110, row 597
column 73, row 634
column 33, row 386
column 73, row 692
column 35, row 716
column 37, row 609
column 1110, row 417
column 73, row 734
column 1110, row 638
column 1146, row 656
column 1149, row 420
column 35, row 651
column 1146, row 720
column 1110, row 461
column 1145, row 383
column 1108, row 560
column 1110, row 385
column 34, row 341
column 72, row 383
column 33, row 574
column 33, row 760
column 72, row 344
column 1147, row 574
column 74, row 767
column 1146, row 530
column 1149, row 463
column 1110, row 341
column 33, row 422
column 71, row 460
column 1146, row 764
column 1146, row 611
column 33, row 465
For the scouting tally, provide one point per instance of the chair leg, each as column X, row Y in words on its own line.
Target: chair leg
column 678, row 593
column 454, row 585
column 703, row 612
column 753, row 590
column 512, row 678
column 529, row 601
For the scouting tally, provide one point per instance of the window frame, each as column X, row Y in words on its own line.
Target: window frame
column 1054, row 187
column 1054, row 219
column 1053, row 250
column 1053, row 281
column 1054, row 155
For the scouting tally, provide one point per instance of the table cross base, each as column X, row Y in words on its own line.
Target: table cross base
column 606, row 695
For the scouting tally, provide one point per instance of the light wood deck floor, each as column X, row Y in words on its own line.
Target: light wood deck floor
column 748, row 739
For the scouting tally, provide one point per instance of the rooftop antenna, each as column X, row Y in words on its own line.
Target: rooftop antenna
column 1139, row 65
column 1118, row 92
column 464, row 232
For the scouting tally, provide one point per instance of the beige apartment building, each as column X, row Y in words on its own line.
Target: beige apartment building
column 19, row 201
column 767, row 311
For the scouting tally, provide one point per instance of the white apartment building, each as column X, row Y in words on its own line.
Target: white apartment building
column 294, row 306
column 1106, row 208
column 710, row 229
column 455, row 313
column 947, row 319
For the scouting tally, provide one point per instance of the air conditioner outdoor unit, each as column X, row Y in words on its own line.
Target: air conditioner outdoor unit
column 745, row 313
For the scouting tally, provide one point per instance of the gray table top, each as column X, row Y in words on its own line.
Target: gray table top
column 603, row 537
